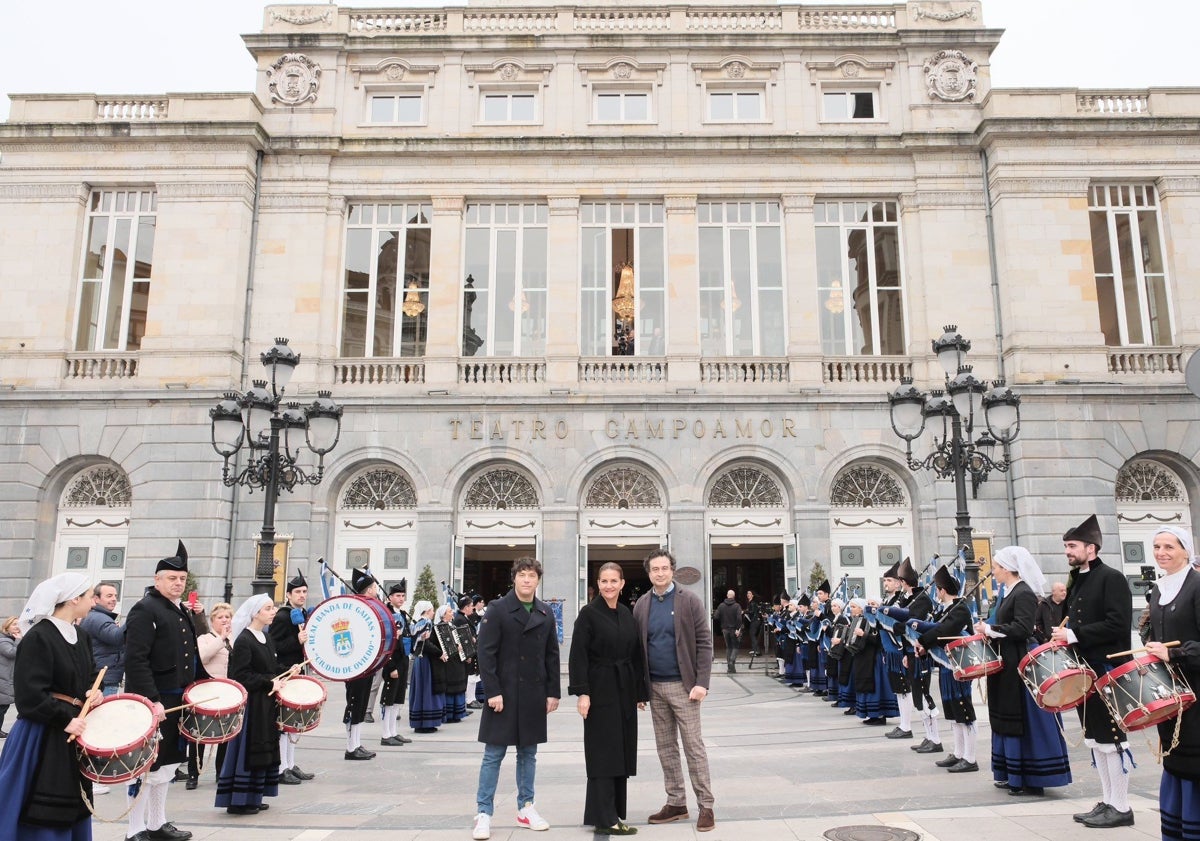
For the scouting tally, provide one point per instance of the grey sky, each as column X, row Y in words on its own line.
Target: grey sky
column 158, row 46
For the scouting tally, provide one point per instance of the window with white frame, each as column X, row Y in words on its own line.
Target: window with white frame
column 118, row 253
column 398, row 107
column 508, row 107
column 504, row 293
column 849, row 105
column 736, row 106
column 613, row 106
column 385, row 296
column 623, row 294
column 860, row 288
column 1131, row 274
column 741, row 279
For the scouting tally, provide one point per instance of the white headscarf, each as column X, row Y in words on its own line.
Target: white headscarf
column 1018, row 559
column 250, row 607
column 441, row 611
column 420, row 607
column 862, row 603
column 1170, row 585
column 1185, row 540
column 51, row 592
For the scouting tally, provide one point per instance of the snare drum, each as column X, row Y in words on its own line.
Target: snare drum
column 120, row 741
column 348, row 637
column 973, row 658
column 216, row 712
column 1055, row 678
column 300, row 701
column 1143, row 692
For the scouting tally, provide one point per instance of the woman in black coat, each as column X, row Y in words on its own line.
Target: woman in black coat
column 251, row 768
column 606, row 673
column 1029, row 752
column 1175, row 615
column 449, row 670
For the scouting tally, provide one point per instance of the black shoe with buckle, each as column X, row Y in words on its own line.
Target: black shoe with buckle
column 1109, row 818
column 168, row 832
column 1082, row 816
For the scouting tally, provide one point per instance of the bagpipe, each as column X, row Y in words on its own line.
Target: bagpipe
column 459, row 641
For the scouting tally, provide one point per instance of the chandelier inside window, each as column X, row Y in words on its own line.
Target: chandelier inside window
column 412, row 306
column 624, row 304
column 835, row 303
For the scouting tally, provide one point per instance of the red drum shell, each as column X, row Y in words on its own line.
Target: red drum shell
column 212, row 721
column 973, row 648
column 123, row 760
column 297, row 715
column 1055, row 678
column 1169, row 696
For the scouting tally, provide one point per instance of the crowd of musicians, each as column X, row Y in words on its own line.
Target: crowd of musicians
column 893, row 658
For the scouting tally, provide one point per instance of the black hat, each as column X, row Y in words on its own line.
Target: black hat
column 298, row 581
column 476, row 598
column 804, row 601
column 943, row 579
column 177, row 563
column 360, row 579
column 892, row 571
column 400, row 586
column 1086, row 532
column 463, row 601
column 906, row 573
column 784, row 597
column 823, row 587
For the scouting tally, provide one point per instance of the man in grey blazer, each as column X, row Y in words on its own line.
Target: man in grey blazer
column 677, row 644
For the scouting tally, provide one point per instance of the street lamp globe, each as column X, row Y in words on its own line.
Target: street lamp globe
column 281, row 362
column 1002, row 412
column 966, row 390
column 906, row 404
column 259, row 407
column 324, row 423
column 293, row 419
column 228, row 430
column 951, row 349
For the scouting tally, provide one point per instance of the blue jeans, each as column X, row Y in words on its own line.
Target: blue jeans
column 489, row 775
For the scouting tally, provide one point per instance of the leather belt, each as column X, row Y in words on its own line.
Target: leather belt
column 75, row 702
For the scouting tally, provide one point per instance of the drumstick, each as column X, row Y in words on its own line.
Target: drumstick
column 87, row 702
column 190, row 704
column 289, row 671
column 1172, row 644
column 1063, row 623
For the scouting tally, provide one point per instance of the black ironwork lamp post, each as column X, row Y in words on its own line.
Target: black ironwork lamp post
column 273, row 437
column 965, row 402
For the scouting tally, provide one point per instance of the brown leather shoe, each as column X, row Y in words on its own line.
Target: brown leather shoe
column 706, row 821
column 670, row 813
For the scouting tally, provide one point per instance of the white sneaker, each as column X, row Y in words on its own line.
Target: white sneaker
column 98, row 789
column 483, row 827
column 528, row 817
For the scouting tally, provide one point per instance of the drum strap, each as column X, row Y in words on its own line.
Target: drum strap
column 75, row 702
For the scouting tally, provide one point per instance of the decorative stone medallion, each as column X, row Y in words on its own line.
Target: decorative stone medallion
column 735, row 70
column 294, row 79
column 394, row 72
column 508, row 72
column 950, row 76
column 851, row 70
column 622, row 70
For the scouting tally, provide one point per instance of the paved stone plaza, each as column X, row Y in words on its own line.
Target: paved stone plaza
column 784, row 767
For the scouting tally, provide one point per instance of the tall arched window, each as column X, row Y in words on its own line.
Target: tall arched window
column 623, row 487
column 379, row 490
column 870, row 525
column 377, row 525
column 745, row 487
column 500, row 489
column 92, row 531
column 867, row 486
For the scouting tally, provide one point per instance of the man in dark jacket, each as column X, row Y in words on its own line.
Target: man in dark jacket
column 108, row 637
column 729, row 620
column 1099, row 618
column 160, row 662
column 677, row 643
column 519, row 667
column 287, row 631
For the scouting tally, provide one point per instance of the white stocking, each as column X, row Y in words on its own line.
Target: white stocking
column 929, row 719
column 137, row 810
column 968, row 742
column 1118, row 777
column 353, row 737
column 1102, row 768
column 904, row 701
column 393, row 713
column 957, row 730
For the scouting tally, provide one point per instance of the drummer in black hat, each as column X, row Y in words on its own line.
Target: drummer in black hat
column 358, row 690
column 920, row 669
column 161, row 661
column 1099, row 618
column 953, row 621
column 287, row 630
column 395, row 670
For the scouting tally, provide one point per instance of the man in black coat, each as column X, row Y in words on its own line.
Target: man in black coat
column 519, row 667
column 920, row 669
column 161, row 661
column 1099, row 622
column 288, row 633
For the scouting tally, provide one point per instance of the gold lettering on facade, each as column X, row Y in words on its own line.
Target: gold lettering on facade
column 789, row 428
column 653, row 431
column 744, row 430
column 631, row 430
column 766, row 428
column 719, row 430
column 455, row 423
column 680, row 426
column 622, row 428
column 517, row 424
column 477, row 429
column 539, row 429
column 497, row 432
column 610, row 427
column 560, row 429
column 698, row 428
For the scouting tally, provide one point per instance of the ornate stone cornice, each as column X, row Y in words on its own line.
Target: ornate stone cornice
column 563, row 205
column 205, row 190
column 1040, row 186
column 797, row 202
column 1178, row 185
column 945, row 17
column 294, row 201
column 445, row 205
column 336, row 205
column 940, row 199
column 301, row 18
column 679, row 204
column 44, row 192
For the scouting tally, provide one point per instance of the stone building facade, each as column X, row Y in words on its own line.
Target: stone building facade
column 662, row 263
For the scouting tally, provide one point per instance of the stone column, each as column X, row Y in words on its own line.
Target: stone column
column 683, row 285
column 562, row 308
column 445, row 292
column 800, row 289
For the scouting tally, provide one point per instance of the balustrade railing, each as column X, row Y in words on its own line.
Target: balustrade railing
column 502, row 371
column 1142, row 362
column 95, row 366
column 377, row 371
column 865, row 369
column 504, row 22
column 744, row 371
column 877, row 18
column 622, row 370
column 622, row 21
column 131, row 109
column 730, row 21
column 1115, row 102
column 395, row 22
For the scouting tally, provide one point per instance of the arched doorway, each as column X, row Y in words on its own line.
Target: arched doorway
column 92, row 529
column 499, row 521
column 1149, row 494
column 749, row 534
column 623, row 517
column 377, row 526
column 870, row 526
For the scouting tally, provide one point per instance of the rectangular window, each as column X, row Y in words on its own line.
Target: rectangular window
column 860, row 292
column 508, row 108
column 118, row 253
column 735, row 106
column 623, row 293
column 396, row 108
column 741, row 279
column 622, row 107
column 843, row 106
column 505, row 290
column 385, row 294
column 1131, row 274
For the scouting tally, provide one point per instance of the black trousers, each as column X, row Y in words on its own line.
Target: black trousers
column 358, row 698
column 731, row 647
column 605, row 801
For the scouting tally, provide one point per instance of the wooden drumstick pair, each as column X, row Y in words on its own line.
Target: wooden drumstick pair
column 1171, row 644
column 87, row 702
column 286, row 676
